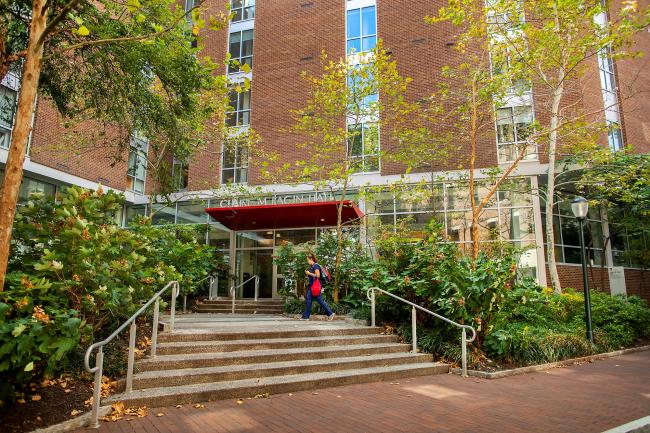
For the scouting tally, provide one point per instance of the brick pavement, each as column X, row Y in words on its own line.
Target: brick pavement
column 591, row 397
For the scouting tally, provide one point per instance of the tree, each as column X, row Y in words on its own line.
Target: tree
column 470, row 93
column 126, row 66
column 339, row 126
column 554, row 44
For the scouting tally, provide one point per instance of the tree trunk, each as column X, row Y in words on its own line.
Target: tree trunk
column 22, row 127
column 339, row 243
column 552, row 151
column 472, row 162
column 550, row 193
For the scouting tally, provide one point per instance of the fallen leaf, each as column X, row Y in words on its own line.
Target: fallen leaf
column 21, row 401
column 160, row 414
column 179, row 406
column 240, row 401
column 314, row 393
column 265, row 395
column 67, row 390
column 75, row 412
column 36, row 397
column 199, row 406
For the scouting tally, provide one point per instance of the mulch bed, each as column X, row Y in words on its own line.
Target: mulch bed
column 54, row 406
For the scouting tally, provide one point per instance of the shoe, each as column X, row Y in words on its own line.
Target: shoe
column 330, row 318
column 302, row 318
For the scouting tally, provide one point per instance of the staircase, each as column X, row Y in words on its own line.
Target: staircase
column 268, row 355
column 242, row 306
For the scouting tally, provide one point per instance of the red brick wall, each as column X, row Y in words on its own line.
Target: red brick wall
column 54, row 146
column 637, row 282
column 633, row 77
column 205, row 166
column 289, row 38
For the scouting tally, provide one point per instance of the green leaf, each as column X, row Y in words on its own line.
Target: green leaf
column 140, row 18
column 83, row 30
column 29, row 367
column 18, row 330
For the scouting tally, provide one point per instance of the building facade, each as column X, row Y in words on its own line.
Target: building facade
column 279, row 39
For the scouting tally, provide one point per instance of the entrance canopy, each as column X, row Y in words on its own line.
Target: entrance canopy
column 284, row 216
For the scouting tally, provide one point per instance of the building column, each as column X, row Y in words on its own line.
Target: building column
column 539, row 232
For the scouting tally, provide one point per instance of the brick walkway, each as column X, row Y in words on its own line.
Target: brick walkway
column 583, row 398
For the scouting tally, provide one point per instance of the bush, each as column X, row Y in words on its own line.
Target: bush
column 74, row 275
column 537, row 326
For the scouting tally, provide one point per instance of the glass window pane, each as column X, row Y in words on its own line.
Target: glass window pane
column 457, row 197
column 7, row 106
column 260, row 239
column 356, row 139
column 369, row 43
column 218, row 237
column 368, row 21
column 163, row 214
column 458, row 226
column 191, row 213
column 235, row 45
column 570, row 232
column 505, row 131
column 247, row 43
column 371, row 140
column 354, row 45
column 228, row 176
column 354, row 23
column 132, row 211
column 283, row 237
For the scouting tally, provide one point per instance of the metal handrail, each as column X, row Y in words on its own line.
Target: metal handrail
column 233, row 288
column 370, row 294
column 99, row 358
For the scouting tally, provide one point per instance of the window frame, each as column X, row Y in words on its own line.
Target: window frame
column 243, row 9
column 363, row 157
column 361, row 36
column 232, row 69
column 139, row 146
column 532, row 154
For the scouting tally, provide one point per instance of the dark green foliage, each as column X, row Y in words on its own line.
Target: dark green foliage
column 74, row 276
column 537, row 326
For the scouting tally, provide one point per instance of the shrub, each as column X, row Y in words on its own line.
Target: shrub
column 74, row 275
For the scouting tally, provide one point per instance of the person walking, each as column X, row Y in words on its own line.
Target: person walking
column 315, row 289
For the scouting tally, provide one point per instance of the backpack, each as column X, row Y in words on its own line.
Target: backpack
column 325, row 277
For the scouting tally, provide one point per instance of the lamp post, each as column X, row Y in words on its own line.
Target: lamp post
column 580, row 207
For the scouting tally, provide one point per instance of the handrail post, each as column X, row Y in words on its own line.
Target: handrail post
column 154, row 331
column 372, row 307
column 211, row 282
column 173, row 307
column 97, row 392
column 464, row 352
column 414, row 329
column 129, row 368
column 232, row 292
column 257, row 287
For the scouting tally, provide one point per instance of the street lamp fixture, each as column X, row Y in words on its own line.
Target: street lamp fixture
column 580, row 208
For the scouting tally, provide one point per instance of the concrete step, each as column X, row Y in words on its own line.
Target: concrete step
column 241, row 311
column 302, row 329
column 270, row 343
column 186, row 376
column 243, row 302
column 173, row 395
column 216, row 359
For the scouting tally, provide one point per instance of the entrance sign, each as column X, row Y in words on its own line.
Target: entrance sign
column 311, row 197
column 617, row 281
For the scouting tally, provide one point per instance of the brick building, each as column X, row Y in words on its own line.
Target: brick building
column 279, row 40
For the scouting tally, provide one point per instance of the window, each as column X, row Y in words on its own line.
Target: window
column 361, row 29
column 189, row 6
column 243, row 10
column 137, row 173
column 180, row 175
column 234, row 167
column 241, row 50
column 363, row 140
column 7, row 113
column 610, row 99
column 513, row 127
column 239, row 113
column 566, row 232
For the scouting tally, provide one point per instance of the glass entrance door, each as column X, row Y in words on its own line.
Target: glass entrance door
column 255, row 262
